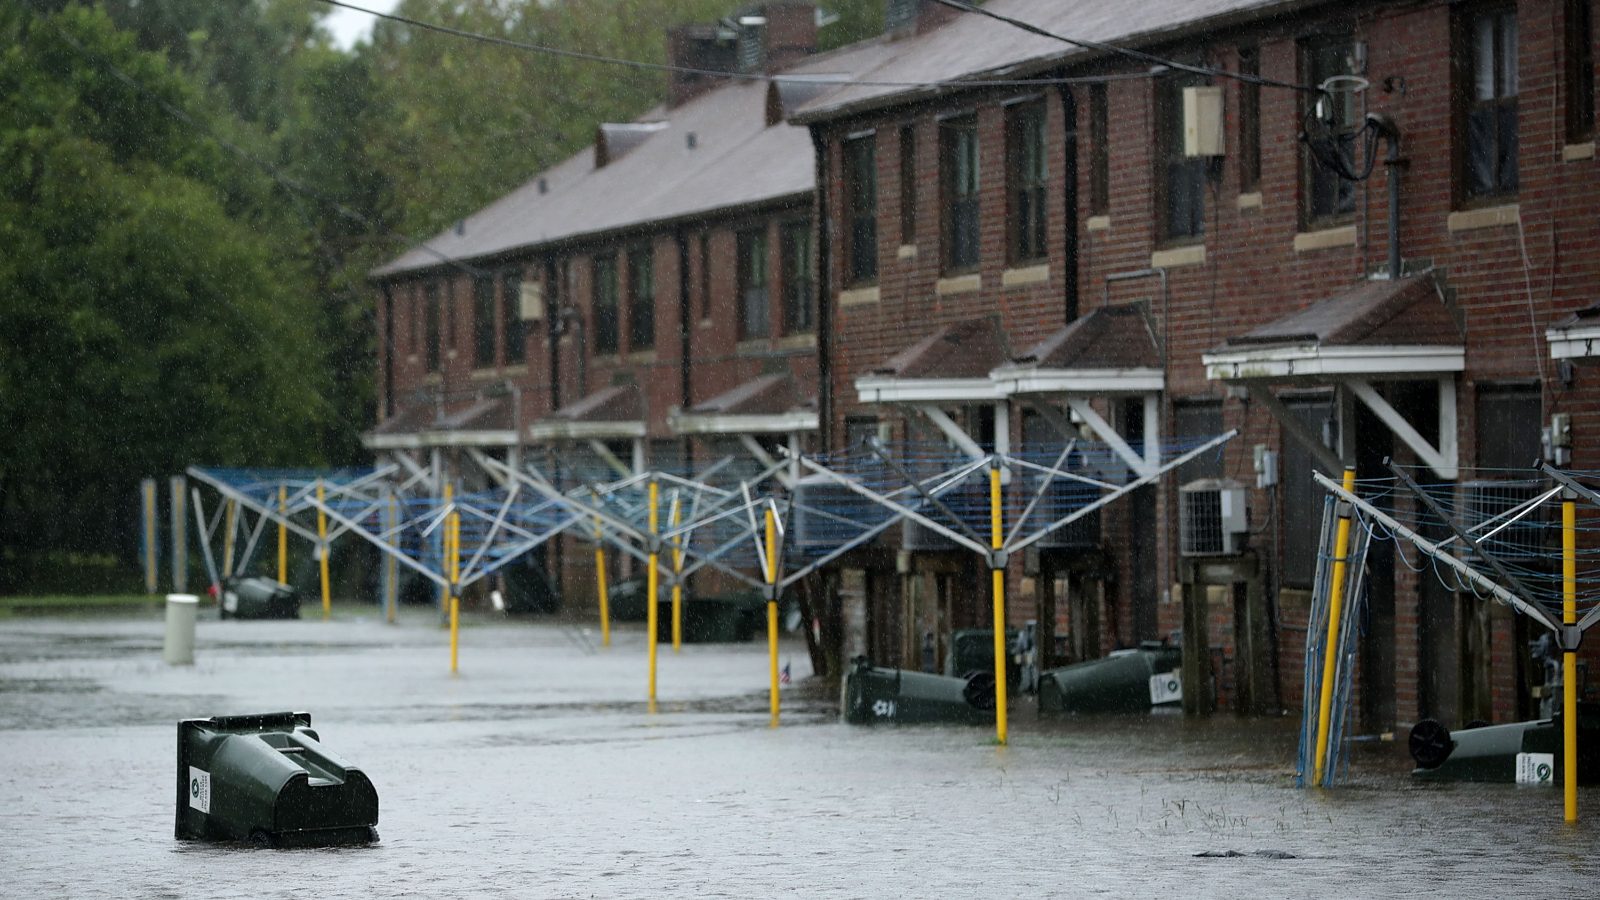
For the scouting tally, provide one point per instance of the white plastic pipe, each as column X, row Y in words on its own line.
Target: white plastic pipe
column 179, row 647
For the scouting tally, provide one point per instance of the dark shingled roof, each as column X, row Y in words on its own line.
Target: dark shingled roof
column 1589, row 315
column 488, row 414
column 617, row 403
column 967, row 349
column 415, row 413
column 1408, row 312
column 1111, row 337
column 737, row 160
column 973, row 46
column 768, row 395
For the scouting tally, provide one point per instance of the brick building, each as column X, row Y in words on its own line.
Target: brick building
column 1017, row 231
column 648, row 301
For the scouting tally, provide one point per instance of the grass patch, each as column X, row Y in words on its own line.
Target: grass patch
column 67, row 603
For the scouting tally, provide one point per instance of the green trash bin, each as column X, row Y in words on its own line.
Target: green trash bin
column 717, row 619
column 875, row 695
column 1515, row 753
column 268, row 780
column 258, row 598
column 626, row 599
column 1135, row 680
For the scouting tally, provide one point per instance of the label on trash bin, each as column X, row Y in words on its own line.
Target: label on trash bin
column 200, row 789
column 1166, row 687
column 1536, row 768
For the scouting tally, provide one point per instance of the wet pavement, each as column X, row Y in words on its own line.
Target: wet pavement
column 538, row 772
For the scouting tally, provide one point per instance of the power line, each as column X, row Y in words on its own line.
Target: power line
column 840, row 80
column 1138, row 55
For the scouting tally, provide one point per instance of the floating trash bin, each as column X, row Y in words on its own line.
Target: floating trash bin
column 873, row 695
column 1516, row 753
column 267, row 779
column 719, row 619
column 1133, row 680
column 258, row 598
column 626, row 599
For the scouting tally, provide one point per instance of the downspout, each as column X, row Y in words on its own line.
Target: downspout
column 823, row 226
column 552, row 334
column 1069, row 193
column 1394, row 163
column 685, row 385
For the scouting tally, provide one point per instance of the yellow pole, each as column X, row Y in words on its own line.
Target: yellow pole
column 322, row 552
column 391, row 590
column 1569, row 658
column 230, row 515
column 283, row 535
column 452, row 602
column 149, row 491
column 996, row 541
column 652, row 584
column 1341, row 548
column 772, row 610
column 677, row 586
column 600, row 583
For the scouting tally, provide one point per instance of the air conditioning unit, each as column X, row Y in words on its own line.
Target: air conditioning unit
column 1202, row 121
column 1211, row 518
column 1485, row 500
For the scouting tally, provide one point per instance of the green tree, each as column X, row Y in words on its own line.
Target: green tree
column 142, row 326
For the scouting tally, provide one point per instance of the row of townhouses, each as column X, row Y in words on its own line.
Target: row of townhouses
column 961, row 231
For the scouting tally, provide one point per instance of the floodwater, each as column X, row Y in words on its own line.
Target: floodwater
column 537, row 772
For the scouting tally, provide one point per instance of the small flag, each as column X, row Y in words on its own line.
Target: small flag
column 783, row 677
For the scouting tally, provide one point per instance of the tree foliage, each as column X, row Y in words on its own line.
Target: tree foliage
column 192, row 193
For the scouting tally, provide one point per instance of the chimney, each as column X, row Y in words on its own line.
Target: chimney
column 707, row 47
column 790, row 34
column 904, row 18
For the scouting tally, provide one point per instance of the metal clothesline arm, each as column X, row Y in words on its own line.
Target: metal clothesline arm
column 902, row 510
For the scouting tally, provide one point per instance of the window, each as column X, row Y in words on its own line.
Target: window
column 1249, row 121
column 753, row 321
column 861, row 205
column 1487, row 158
column 1580, row 71
column 1099, row 151
column 1192, row 422
column 1325, row 195
column 705, row 275
column 1509, row 419
column 447, row 310
column 605, row 303
column 958, row 164
column 1181, row 180
column 413, row 338
column 511, row 317
column 482, row 322
column 908, row 184
column 858, row 430
column 641, row 300
column 799, row 299
column 1026, row 167
column 432, row 326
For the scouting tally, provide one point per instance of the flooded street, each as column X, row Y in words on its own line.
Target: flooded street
column 537, row 772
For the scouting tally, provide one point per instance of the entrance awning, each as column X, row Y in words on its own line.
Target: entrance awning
column 1577, row 337
column 1112, row 350
column 770, row 404
column 1379, row 329
column 427, row 421
column 611, row 413
column 1376, row 331
column 951, row 364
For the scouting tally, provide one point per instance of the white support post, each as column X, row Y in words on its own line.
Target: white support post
column 1442, row 459
column 1002, row 436
column 794, row 457
column 951, row 430
column 1152, row 430
column 638, row 455
column 1110, row 436
column 1448, row 447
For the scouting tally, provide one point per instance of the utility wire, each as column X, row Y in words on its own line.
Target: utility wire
column 718, row 73
column 1138, row 55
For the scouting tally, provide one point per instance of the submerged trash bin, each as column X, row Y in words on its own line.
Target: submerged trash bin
column 1516, row 753
column 626, row 599
column 717, row 619
column 258, row 598
column 972, row 650
column 267, row 779
column 1134, row 680
column 178, row 647
column 873, row 695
